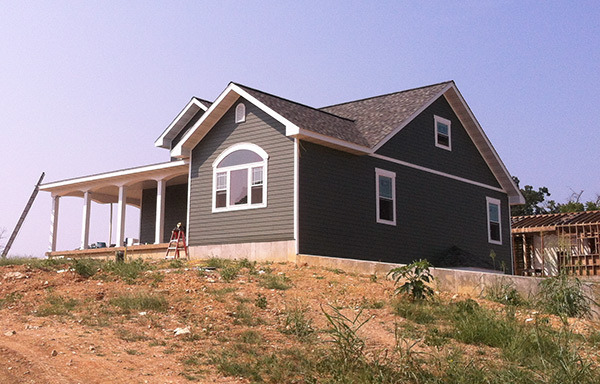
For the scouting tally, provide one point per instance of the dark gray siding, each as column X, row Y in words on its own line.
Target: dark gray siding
column 434, row 213
column 187, row 127
column 273, row 223
column 415, row 144
column 175, row 212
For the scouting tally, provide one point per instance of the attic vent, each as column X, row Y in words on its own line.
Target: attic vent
column 240, row 113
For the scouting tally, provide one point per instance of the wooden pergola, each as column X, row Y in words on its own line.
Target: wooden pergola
column 577, row 249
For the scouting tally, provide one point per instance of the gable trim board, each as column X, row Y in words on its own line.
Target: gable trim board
column 233, row 91
column 187, row 113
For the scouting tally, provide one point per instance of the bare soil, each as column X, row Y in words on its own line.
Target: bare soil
column 96, row 342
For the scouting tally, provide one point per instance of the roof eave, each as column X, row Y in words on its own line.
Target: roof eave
column 186, row 114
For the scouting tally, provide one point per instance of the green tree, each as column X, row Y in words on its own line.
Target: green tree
column 533, row 200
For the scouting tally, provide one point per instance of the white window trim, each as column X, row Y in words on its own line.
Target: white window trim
column 392, row 175
column 236, row 147
column 240, row 113
column 490, row 200
column 447, row 122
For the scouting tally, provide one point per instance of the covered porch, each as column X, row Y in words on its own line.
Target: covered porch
column 152, row 188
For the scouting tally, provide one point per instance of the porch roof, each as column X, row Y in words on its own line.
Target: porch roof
column 104, row 187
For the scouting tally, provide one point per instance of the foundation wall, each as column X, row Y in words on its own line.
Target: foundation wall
column 278, row 251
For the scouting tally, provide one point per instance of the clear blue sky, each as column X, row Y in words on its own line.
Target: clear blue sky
column 87, row 87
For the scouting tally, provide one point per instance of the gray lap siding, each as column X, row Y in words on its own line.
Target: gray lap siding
column 433, row 213
column 273, row 223
column 415, row 143
column 175, row 211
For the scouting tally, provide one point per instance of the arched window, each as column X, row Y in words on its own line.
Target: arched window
column 240, row 113
column 240, row 178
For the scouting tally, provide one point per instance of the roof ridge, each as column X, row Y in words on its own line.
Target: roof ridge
column 201, row 99
column 293, row 102
column 388, row 94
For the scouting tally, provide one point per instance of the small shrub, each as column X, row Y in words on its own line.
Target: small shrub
column 128, row 271
column 563, row 296
column 10, row 298
column 140, row 302
column 215, row 262
column 229, row 273
column 296, row 323
column 250, row 337
column 261, row 301
column 417, row 276
column 57, row 305
column 504, row 292
column 280, row 282
column 86, row 268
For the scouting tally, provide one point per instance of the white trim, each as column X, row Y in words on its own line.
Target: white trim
column 121, row 211
column 85, row 220
column 240, row 113
column 248, row 166
column 179, row 150
column 159, row 220
column 433, row 171
column 189, row 194
column 163, row 141
column 392, row 175
column 339, row 144
column 411, row 117
column 239, row 146
column 296, row 195
column 108, row 175
column 54, row 222
column 488, row 201
column 437, row 119
column 520, row 198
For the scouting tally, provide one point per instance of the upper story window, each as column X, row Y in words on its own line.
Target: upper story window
column 443, row 133
column 385, row 191
column 240, row 113
column 494, row 224
column 239, row 178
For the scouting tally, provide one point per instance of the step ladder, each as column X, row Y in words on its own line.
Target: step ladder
column 176, row 244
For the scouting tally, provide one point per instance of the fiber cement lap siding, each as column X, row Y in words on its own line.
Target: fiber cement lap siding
column 175, row 212
column 415, row 143
column 434, row 213
column 273, row 223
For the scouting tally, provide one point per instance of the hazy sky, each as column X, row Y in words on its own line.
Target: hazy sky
column 87, row 87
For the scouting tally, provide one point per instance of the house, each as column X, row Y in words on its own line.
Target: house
column 547, row 244
column 392, row 178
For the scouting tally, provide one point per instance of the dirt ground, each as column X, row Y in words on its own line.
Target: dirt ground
column 93, row 342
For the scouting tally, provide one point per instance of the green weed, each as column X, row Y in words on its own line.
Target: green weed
column 140, row 302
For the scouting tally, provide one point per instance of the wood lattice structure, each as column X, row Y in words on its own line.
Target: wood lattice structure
column 547, row 244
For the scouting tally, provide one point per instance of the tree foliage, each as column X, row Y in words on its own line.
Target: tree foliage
column 536, row 203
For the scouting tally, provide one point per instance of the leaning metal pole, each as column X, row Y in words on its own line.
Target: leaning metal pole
column 22, row 218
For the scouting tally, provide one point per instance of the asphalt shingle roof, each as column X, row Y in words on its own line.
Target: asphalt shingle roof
column 364, row 122
column 376, row 117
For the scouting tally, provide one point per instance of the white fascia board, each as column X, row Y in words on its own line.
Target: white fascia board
column 332, row 142
column 164, row 140
column 514, row 198
column 411, row 117
column 113, row 174
column 185, row 144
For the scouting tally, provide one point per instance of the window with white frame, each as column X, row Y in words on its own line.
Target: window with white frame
column 494, row 224
column 385, row 191
column 239, row 178
column 443, row 133
column 240, row 113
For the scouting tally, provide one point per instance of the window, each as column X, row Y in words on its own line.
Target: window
column 240, row 113
column 442, row 133
column 494, row 225
column 385, row 186
column 239, row 178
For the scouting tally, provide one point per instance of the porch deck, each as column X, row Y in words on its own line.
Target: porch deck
column 146, row 251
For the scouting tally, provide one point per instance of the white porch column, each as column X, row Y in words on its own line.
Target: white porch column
column 161, row 190
column 85, row 225
column 54, row 223
column 121, row 215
